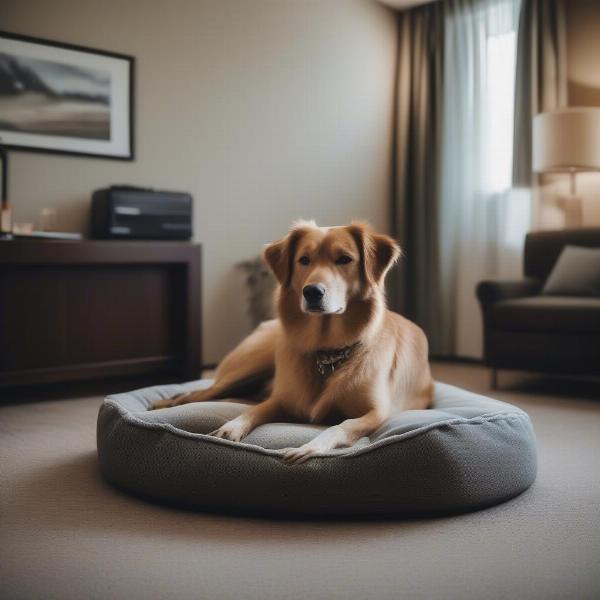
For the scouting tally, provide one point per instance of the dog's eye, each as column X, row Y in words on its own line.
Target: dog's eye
column 343, row 260
column 304, row 260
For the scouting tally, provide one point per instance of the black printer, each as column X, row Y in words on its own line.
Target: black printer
column 127, row 212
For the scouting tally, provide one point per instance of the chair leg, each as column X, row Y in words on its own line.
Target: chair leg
column 494, row 379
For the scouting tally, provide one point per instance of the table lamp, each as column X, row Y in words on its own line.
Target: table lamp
column 567, row 140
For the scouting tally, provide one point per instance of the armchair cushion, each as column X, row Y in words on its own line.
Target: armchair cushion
column 547, row 313
column 576, row 273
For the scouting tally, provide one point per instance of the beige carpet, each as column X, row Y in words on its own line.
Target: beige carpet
column 65, row 534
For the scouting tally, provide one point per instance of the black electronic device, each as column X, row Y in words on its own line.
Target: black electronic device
column 127, row 212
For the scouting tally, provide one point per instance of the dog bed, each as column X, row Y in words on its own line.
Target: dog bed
column 468, row 452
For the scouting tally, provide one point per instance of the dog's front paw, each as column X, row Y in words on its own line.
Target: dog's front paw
column 301, row 454
column 233, row 430
column 166, row 403
column 327, row 440
column 178, row 400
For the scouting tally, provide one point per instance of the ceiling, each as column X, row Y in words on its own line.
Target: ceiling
column 402, row 4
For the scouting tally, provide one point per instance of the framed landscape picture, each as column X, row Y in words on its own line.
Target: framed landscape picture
column 62, row 98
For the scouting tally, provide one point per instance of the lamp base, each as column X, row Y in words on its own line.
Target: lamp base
column 572, row 207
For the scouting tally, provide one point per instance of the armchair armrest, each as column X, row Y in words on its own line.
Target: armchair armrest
column 489, row 292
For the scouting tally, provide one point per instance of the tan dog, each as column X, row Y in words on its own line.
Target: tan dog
column 335, row 346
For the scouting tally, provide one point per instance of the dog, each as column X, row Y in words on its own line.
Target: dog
column 335, row 348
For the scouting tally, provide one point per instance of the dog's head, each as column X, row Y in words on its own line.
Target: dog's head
column 327, row 267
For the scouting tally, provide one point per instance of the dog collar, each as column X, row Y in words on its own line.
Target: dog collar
column 328, row 359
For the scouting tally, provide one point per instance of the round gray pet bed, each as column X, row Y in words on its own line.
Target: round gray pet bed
column 467, row 452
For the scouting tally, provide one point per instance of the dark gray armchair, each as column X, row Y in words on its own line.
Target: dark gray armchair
column 524, row 330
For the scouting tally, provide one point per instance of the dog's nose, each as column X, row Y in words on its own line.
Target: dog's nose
column 313, row 293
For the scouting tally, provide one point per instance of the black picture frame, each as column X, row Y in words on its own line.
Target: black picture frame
column 128, row 136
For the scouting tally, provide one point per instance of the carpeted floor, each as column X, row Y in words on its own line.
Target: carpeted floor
column 65, row 534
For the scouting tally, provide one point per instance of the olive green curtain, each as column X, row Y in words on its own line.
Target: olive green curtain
column 414, row 286
column 541, row 79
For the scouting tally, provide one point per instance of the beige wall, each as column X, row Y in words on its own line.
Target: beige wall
column 583, row 74
column 265, row 110
column 583, row 67
column 583, row 52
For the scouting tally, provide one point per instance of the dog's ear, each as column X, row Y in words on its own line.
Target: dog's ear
column 276, row 257
column 378, row 252
column 385, row 251
column 280, row 256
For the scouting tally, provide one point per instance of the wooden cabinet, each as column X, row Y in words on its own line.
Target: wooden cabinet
column 90, row 310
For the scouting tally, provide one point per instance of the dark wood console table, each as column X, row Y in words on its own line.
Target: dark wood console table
column 90, row 310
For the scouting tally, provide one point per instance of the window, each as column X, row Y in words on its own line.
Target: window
column 499, row 110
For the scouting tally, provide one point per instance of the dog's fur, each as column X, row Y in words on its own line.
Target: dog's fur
column 387, row 369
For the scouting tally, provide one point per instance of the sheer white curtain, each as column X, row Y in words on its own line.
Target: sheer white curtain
column 482, row 221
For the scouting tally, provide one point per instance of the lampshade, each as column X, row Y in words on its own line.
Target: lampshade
column 567, row 139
